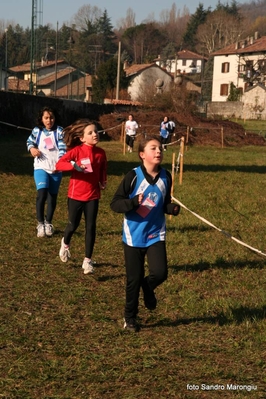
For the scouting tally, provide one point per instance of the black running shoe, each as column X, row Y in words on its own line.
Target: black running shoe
column 131, row 325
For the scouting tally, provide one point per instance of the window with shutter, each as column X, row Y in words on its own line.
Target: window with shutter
column 225, row 67
column 224, row 89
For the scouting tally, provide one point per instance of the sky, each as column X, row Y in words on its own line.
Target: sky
column 62, row 11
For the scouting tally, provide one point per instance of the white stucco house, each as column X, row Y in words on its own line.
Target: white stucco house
column 146, row 79
column 186, row 61
column 242, row 63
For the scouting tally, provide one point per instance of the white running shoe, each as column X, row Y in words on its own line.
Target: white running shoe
column 40, row 230
column 49, row 229
column 87, row 266
column 64, row 252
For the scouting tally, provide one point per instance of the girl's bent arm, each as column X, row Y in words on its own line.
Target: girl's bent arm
column 121, row 203
column 64, row 164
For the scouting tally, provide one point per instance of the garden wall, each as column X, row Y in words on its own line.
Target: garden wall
column 22, row 109
column 227, row 109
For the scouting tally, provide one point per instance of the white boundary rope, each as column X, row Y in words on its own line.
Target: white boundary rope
column 18, row 127
column 25, row 128
column 217, row 228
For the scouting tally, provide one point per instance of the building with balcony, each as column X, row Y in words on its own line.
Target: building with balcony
column 242, row 63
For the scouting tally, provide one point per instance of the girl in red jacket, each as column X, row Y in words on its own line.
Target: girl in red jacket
column 88, row 165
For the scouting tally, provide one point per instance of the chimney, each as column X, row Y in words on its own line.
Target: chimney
column 244, row 43
column 251, row 40
column 256, row 35
column 237, row 46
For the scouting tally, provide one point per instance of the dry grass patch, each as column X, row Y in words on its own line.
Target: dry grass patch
column 61, row 331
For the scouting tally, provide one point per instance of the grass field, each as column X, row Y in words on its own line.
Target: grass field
column 256, row 126
column 61, row 331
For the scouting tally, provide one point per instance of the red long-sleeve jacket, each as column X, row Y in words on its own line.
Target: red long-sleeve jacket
column 85, row 185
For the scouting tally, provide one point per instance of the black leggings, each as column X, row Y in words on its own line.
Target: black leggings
column 134, row 259
column 164, row 140
column 75, row 210
column 130, row 140
column 43, row 195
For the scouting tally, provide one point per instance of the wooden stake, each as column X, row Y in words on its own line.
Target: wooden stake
column 122, row 132
column 123, row 137
column 173, row 178
column 181, row 159
column 222, row 136
column 173, row 174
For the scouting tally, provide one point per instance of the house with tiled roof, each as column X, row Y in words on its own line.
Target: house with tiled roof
column 185, row 61
column 51, row 78
column 38, row 70
column 80, row 88
column 242, row 63
column 146, row 80
column 18, row 85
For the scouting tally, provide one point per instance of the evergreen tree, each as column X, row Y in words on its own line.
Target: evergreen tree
column 231, row 9
column 106, row 35
column 104, row 83
column 234, row 94
column 206, row 88
column 168, row 53
column 144, row 42
column 196, row 19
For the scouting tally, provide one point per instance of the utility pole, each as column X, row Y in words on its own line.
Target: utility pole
column 56, row 57
column 6, row 30
column 118, row 71
column 32, row 49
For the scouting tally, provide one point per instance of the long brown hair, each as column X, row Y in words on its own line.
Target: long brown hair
column 74, row 132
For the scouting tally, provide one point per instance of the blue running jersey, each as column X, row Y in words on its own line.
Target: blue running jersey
column 146, row 225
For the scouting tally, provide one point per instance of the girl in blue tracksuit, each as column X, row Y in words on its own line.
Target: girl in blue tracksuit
column 164, row 132
column 144, row 196
column 46, row 145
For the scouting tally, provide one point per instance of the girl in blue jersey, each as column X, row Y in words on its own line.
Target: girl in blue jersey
column 144, row 196
column 46, row 145
column 164, row 132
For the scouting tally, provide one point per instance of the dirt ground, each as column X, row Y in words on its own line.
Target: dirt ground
column 199, row 131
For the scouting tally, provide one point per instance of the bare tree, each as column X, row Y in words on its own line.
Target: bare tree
column 259, row 25
column 149, row 19
column 220, row 30
column 86, row 17
column 174, row 23
column 5, row 24
column 128, row 22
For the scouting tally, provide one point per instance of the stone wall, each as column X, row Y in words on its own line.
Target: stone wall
column 228, row 109
column 254, row 101
column 251, row 106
